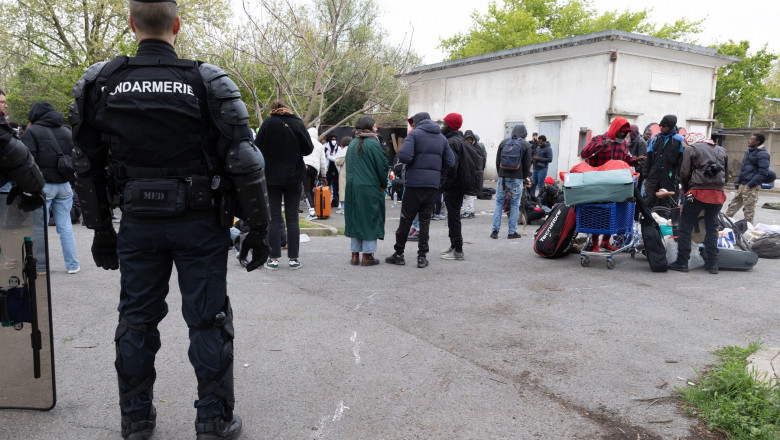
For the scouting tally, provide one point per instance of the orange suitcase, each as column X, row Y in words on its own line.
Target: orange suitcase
column 322, row 201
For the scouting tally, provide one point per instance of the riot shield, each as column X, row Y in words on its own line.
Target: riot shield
column 26, row 344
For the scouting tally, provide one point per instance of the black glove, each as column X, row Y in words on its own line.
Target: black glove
column 104, row 249
column 255, row 241
column 27, row 202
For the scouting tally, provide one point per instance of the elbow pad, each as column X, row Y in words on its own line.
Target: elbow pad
column 244, row 166
column 92, row 192
column 18, row 164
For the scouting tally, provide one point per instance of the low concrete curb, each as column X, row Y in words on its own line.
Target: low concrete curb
column 766, row 362
column 321, row 230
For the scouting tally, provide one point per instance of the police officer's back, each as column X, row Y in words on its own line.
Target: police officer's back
column 170, row 137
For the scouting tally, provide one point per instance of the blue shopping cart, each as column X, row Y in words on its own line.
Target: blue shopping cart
column 616, row 219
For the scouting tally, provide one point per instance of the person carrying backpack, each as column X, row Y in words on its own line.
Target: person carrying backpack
column 463, row 179
column 513, row 163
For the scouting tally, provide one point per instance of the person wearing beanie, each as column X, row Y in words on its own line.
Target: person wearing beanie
column 661, row 170
column 454, row 186
column 703, row 175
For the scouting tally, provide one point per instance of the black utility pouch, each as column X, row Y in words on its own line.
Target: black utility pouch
column 155, row 197
column 199, row 194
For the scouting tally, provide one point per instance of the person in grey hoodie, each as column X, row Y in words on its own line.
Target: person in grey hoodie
column 426, row 153
column 511, row 180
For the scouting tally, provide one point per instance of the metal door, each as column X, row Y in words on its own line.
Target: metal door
column 552, row 130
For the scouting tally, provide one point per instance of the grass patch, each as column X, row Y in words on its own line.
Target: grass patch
column 305, row 224
column 731, row 399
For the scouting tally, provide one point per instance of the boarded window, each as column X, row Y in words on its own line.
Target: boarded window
column 665, row 82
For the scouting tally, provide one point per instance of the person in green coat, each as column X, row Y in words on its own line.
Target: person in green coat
column 365, row 192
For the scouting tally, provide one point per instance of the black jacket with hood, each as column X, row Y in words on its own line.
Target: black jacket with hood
column 47, row 131
column 480, row 146
column 519, row 133
column 425, row 153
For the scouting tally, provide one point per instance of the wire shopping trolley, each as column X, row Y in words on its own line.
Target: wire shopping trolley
column 616, row 219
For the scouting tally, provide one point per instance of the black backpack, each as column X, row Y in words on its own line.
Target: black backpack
column 556, row 235
column 653, row 240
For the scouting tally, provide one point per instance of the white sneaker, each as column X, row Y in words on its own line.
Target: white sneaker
column 76, row 270
column 294, row 264
column 272, row 265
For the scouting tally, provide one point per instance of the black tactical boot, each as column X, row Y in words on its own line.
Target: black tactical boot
column 140, row 429
column 218, row 428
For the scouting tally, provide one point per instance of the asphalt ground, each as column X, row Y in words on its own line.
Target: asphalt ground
column 503, row 345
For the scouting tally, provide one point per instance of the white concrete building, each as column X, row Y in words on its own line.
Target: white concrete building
column 571, row 89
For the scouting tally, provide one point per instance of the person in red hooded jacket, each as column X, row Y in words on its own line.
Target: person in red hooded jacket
column 611, row 145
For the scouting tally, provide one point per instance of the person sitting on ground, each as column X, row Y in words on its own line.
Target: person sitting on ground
column 611, row 145
column 550, row 194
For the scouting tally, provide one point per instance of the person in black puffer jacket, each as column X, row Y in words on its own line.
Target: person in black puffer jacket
column 47, row 138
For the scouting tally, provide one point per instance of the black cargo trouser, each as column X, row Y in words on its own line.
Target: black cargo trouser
column 147, row 253
column 453, row 199
column 688, row 219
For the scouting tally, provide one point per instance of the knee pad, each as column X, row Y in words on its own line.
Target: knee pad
column 224, row 322
column 134, row 385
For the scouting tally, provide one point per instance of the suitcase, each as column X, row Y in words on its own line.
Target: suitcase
column 598, row 187
column 322, row 201
column 735, row 258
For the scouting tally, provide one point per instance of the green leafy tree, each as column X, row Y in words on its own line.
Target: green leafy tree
column 79, row 33
column 518, row 23
column 48, row 43
column 741, row 87
column 325, row 57
column 33, row 83
column 769, row 110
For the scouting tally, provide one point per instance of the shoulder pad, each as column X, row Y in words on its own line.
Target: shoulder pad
column 89, row 76
column 223, row 88
column 209, row 72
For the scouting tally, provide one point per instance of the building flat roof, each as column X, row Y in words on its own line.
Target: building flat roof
column 579, row 40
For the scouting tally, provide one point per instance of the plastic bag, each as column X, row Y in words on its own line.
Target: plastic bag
column 694, row 261
column 726, row 238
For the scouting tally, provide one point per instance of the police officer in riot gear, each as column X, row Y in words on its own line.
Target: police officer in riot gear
column 17, row 166
column 170, row 137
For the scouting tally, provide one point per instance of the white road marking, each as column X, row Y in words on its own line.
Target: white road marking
column 355, row 347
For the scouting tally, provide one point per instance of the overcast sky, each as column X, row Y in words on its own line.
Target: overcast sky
column 754, row 20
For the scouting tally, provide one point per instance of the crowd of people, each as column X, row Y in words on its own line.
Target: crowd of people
column 148, row 150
